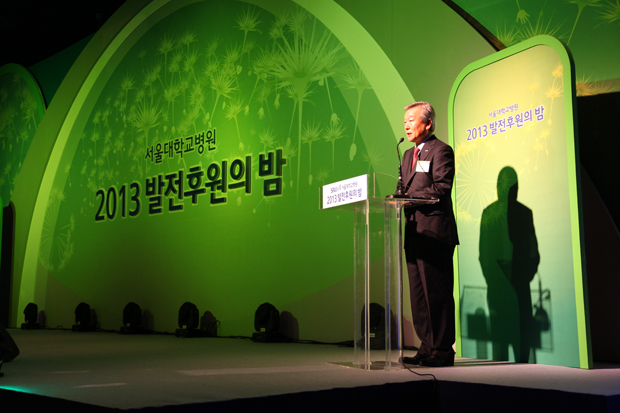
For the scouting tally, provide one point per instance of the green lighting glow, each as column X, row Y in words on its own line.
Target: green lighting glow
column 18, row 389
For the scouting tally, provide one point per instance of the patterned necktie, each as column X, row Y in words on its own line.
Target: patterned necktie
column 416, row 153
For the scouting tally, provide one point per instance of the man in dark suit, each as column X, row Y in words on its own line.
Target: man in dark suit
column 430, row 237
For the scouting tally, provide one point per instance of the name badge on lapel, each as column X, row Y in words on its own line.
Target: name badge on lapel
column 423, row 166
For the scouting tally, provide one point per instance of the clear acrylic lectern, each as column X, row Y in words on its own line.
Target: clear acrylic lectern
column 377, row 234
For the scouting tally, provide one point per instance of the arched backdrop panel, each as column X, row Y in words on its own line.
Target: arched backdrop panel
column 216, row 85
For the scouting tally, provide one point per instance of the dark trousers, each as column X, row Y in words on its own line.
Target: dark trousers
column 431, row 281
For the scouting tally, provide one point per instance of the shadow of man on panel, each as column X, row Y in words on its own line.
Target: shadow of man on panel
column 509, row 259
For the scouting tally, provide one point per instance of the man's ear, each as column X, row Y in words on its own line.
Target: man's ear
column 429, row 124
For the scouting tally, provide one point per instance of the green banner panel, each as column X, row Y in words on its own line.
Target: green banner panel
column 520, row 259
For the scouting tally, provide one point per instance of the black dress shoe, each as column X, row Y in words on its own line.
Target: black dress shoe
column 436, row 362
column 415, row 360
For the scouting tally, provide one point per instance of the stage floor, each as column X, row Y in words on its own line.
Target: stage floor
column 135, row 372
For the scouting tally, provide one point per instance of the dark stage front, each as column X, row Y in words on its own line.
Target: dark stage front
column 60, row 370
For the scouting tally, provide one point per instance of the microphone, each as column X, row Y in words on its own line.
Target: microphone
column 399, row 187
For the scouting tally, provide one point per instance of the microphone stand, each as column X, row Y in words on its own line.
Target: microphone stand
column 401, row 184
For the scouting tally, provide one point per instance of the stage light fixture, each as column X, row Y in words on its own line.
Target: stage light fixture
column 132, row 320
column 267, row 324
column 377, row 326
column 132, row 315
column 31, row 313
column 85, row 319
column 377, row 329
column 188, row 321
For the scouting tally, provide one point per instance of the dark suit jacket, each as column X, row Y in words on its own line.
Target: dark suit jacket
column 428, row 225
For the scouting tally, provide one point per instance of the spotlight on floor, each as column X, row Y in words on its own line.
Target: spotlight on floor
column 31, row 313
column 132, row 320
column 267, row 324
column 85, row 318
column 188, row 321
column 377, row 328
column 376, row 325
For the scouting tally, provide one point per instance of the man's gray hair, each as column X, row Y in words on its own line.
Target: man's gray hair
column 427, row 112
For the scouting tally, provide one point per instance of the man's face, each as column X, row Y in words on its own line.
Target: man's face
column 415, row 127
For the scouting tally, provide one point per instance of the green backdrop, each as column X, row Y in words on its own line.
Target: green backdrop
column 590, row 28
column 318, row 84
column 280, row 96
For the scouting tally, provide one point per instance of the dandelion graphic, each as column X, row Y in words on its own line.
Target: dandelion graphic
column 585, row 87
column 533, row 87
column 261, row 66
column 184, row 85
column 152, row 76
column 24, row 136
column 7, row 169
column 166, row 45
column 29, row 109
column 296, row 23
column 119, row 146
column 311, row 133
column 55, row 245
column 248, row 22
column 187, row 38
column 147, row 118
column 277, row 27
column 543, row 136
column 611, row 13
column 233, row 53
column 522, row 16
column 529, row 31
column 322, row 175
column 508, row 37
column 558, row 72
column 192, row 115
column 540, row 145
column 211, row 67
column 261, row 96
column 334, row 132
column 212, row 47
column 373, row 157
column 472, row 183
column 289, row 152
column 581, row 4
column 553, row 92
column 94, row 137
column 222, row 85
column 188, row 63
column 196, row 96
column 358, row 82
column 175, row 63
column 232, row 111
column 304, row 60
column 463, row 217
column 267, row 138
column 170, row 95
column 249, row 45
